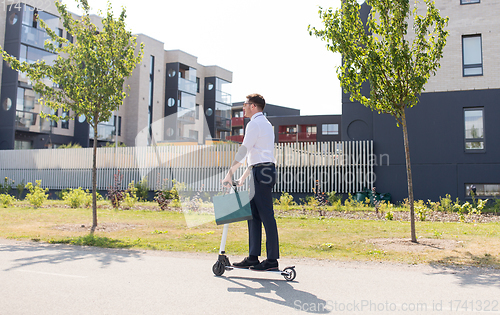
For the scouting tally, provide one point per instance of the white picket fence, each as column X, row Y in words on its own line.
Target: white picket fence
column 344, row 167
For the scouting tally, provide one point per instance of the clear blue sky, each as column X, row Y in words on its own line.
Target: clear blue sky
column 264, row 43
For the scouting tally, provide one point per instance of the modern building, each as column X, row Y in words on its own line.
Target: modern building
column 453, row 130
column 169, row 98
column 289, row 126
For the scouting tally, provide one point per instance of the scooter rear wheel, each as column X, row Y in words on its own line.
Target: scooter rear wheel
column 290, row 273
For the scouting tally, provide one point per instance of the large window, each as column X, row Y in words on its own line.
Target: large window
column 474, row 129
column 472, row 55
column 330, row 129
column 483, row 190
column 469, row 1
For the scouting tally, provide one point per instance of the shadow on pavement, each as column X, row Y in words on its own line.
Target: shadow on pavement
column 298, row 300
column 62, row 253
column 468, row 275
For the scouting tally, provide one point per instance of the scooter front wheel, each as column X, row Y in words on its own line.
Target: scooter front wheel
column 218, row 268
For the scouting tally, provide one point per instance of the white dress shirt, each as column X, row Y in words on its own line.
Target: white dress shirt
column 259, row 140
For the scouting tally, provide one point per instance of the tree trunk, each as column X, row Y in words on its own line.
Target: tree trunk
column 410, row 180
column 94, row 183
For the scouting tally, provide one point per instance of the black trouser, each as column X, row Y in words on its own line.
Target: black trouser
column 263, row 178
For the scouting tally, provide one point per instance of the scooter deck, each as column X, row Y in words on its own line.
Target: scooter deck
column 278, row 271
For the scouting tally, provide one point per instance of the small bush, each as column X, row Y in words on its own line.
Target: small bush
column 286, row 200
column 6, row 200
column 37, row 195
column 76, row 198
column 142, row 189
column 389, row 215
column 20, row 189
column 115, row 193
column 6, row 186
column 130, row 196
column 333, row 198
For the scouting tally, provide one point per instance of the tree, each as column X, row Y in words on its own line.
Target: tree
column 396, row 64
column 87, row 76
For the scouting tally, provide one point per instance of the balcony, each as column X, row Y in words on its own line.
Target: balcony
column 235, row 138
column 30, row 121
column 104, row 132
column 222, row 124
column 294, row 137
column 237, row 121
column 33, row 36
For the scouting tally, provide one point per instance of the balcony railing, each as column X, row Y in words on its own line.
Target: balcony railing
column 104, row 132
column 237, row 121
column 235, row 138
column 187, row 86
column 223, row 97
column 33, row 36
column 30, row 121
column 297, row 137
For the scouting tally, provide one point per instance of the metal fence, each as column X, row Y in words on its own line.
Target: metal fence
column 343, row 167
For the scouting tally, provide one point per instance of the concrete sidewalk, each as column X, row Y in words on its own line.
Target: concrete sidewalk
column 38, row 278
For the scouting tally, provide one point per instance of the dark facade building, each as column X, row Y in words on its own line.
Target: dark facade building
column 453, row 130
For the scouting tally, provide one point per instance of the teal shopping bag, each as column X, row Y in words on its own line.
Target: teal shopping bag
column 232, row 208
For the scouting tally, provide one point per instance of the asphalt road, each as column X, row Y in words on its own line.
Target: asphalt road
column 37, row 278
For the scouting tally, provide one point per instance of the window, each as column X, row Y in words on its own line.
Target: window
column 469, row 1
column 311, row 129
column 69, row 37
column 330, row 129
column 483, row 190
column 472, row 55
column 474, row 131
column 23, row 145
column 65, row 120
column 197, row 85
column 53, row 123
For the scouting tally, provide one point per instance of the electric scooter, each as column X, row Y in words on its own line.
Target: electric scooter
column 222, row 264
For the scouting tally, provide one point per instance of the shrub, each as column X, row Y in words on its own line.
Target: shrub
column 6, row 186
column 20, row 189
column 333, row 198
column 421, row 210
column 286, row 200
column 446, row 204
column 165, row 196
column 389, row 215
column 130, row 196
column 6, row 200
column 115, row 193
column 37, row 195
column 142, row 189
column 78, row 197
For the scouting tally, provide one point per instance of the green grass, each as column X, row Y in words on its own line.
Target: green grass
column 322, row 238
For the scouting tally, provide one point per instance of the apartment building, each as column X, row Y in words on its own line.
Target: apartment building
column 171, row 97
column 289, row 126
column 453, row 130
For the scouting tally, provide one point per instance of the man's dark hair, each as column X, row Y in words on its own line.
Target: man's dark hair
column 258, row 100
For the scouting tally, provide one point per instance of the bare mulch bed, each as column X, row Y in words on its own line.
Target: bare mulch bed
column 406, row 245
column 101, row 227
column 398, row 216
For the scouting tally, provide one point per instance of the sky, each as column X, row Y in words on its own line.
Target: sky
column 264, row 43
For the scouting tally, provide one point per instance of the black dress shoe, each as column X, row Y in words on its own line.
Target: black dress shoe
column 246, row 263
column 266, row 265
